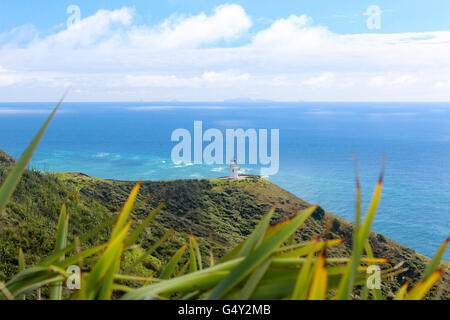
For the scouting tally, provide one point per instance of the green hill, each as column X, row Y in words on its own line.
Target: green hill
column 220, row 213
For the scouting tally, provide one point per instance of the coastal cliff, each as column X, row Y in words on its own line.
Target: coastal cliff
column 220, row 213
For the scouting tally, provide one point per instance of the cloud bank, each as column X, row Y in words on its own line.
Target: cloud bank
column 217, row 55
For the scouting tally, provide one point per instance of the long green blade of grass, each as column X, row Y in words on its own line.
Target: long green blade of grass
column 346, row 289
column 22, row 265
column 21, row 260
column 125, row 212
column 421, row 289
column 318, row 290
column 205, row 278
column 32, row 277
column 171, row 265
column 197, row 253
column 304, row 278
column 305, row 249
column 5, row 292
column 100, row 280
column 359, row 240
column 376, row 293
column 80, row 256
column 151, row 250
column 260, row 254
column 54, row 257
column 401, row 293
column 13, row 178
column 256, row 235
column 61, row 242
column 135, row 234
column 433, row 265
column 244, row 247
column 254, row 279
column 192, row 258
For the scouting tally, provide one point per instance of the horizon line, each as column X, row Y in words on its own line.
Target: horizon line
column 230, row 101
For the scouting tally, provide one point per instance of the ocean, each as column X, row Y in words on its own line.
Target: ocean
column 130, row 141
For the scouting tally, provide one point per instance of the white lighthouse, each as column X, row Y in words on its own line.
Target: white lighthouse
column 234, row 169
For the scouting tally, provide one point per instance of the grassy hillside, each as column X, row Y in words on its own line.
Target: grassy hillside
column 219, row 213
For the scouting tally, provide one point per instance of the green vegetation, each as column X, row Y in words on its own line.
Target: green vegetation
column 205, row 239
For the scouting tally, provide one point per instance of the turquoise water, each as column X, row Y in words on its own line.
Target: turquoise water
column 130, row 141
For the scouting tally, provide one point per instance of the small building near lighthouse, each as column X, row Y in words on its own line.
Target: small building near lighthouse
column 234, row 169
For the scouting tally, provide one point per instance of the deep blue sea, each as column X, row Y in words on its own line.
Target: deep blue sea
column 129, row 141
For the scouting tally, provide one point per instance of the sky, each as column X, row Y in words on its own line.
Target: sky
column 208, row 50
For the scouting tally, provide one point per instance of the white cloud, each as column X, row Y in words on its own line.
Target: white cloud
column 438, row 85
column 9, row 79
column 88, row 31
column 18, row 36
column 441, row 84
column 290, row 33
column 323, row 80
column 107, row 56
column 393, row 82
column 227, row 23
column 226, row 78
column 168, row 81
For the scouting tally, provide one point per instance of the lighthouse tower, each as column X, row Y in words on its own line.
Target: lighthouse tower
column 234, row 169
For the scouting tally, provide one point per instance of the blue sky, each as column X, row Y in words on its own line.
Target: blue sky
column 343, row 16
column 212, row 50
